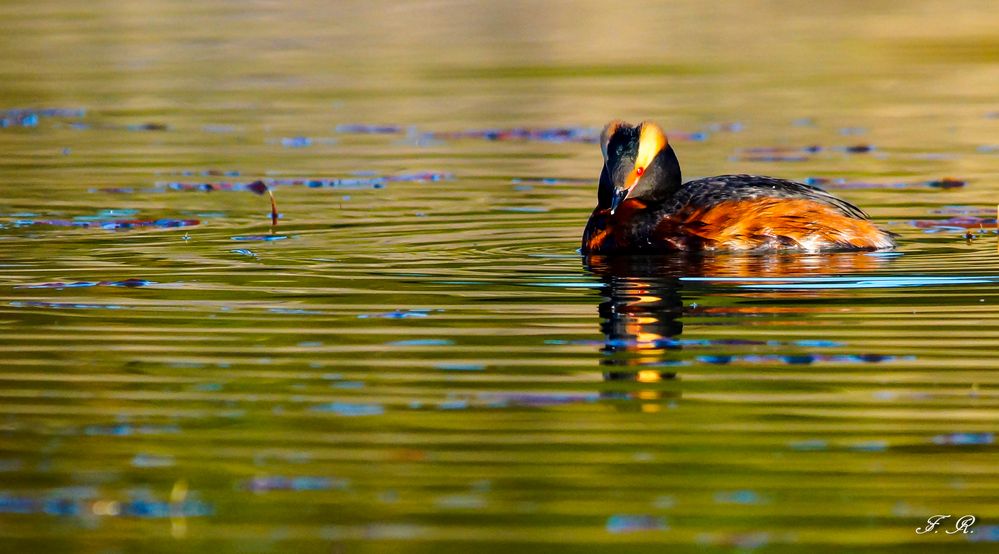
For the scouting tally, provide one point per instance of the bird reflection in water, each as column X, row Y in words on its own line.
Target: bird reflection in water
column 644, row 303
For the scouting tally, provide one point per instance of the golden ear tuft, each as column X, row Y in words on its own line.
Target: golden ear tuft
column 650, row 142
column 608, row 132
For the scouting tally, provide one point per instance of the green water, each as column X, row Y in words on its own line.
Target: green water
column 423, row 362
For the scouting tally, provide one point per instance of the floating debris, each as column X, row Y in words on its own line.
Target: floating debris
column 125, row 430
column 553, row 134
column 535, row 400
column 453, row 405
column 568, row 134
column 262, row 186
column 946, row 183
column 360, row 129
column 294, row 311
column 111, row 224
column 265, row 238
column 963, row 210
column 960, row 223
column 549, row 134
column 86, row 504
column 794, row 153
column 350, row 409
column 398, row 314
column 672, row 343
column 65, row 305
column 802, row 359
column 626, row 523
column 129, row 283
column 964, row 439
column 296, row 142
column 859, row 148
column 204, row 173
column 301, row 483
column 837, row 183
column 147, row 127
column 27, row 117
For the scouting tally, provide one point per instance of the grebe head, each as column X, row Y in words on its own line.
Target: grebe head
column 638, row 163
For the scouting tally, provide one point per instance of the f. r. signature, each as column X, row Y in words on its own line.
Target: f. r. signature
column 962, row 525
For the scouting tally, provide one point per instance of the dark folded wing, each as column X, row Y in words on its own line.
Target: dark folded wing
column 705, row 193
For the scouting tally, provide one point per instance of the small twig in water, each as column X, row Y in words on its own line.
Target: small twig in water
column 259, row 187
column 274, row 212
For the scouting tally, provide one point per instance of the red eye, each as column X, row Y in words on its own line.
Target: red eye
column 639, row 171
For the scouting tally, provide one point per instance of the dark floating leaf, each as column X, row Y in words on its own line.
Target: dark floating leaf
column 148, row 127
column 257, row 187
column 859, row 148
column 946, row 183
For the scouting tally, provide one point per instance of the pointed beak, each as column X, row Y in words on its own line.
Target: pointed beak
column 619, row 196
